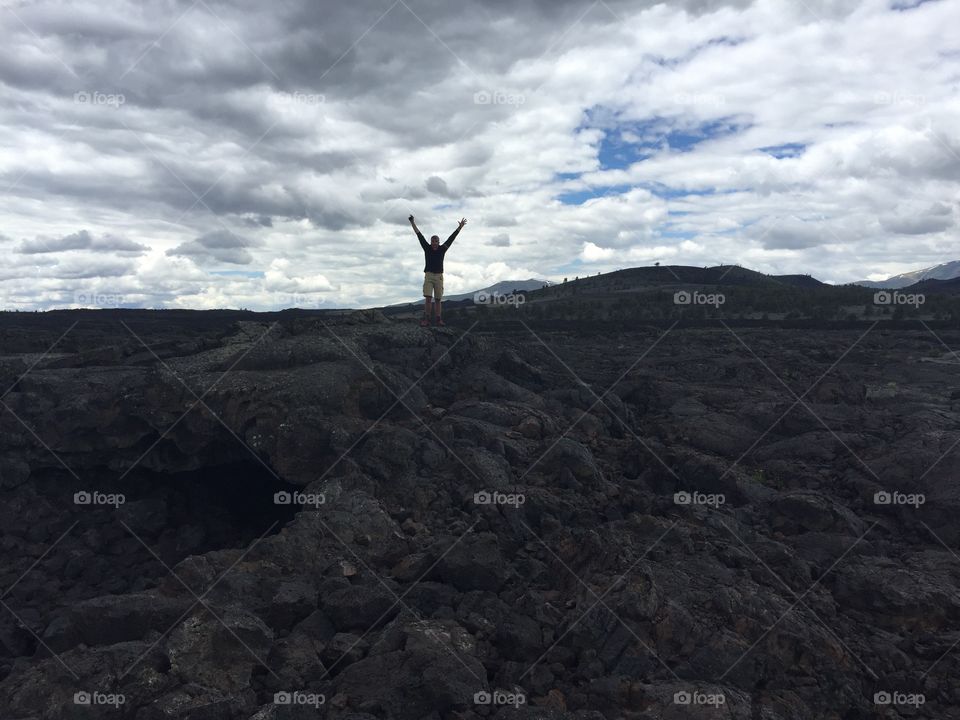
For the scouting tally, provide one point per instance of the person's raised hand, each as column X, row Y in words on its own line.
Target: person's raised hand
column 410, row 218
column 463, row 222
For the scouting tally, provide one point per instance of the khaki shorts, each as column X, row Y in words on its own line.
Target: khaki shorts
column 433, row 285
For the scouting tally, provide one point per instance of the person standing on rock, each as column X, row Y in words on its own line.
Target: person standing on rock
column 433, row 271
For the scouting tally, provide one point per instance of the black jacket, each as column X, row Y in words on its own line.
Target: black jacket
column 433, row 259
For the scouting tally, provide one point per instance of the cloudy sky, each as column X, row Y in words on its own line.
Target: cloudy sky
column 181, row 153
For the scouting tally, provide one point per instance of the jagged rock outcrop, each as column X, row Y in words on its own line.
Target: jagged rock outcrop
column 350, row 517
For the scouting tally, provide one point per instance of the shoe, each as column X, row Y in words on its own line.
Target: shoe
column 440, row 322
column 424, row 323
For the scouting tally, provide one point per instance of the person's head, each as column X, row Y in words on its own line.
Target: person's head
column 434, row 241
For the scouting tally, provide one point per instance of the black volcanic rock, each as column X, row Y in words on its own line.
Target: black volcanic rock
column 731, row 519
column 472, row 563
column 359, row 607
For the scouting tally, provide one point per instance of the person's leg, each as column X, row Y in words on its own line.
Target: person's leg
column 438, row 295
column 427, row 298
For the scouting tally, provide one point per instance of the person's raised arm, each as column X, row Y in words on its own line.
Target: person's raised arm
column 455, row 233
column 423, row 242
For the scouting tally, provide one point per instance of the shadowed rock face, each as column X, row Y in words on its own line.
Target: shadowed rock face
column 384, row 521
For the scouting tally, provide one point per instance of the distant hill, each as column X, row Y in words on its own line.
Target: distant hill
column 944, row 271
column 799, row 280
column 505, row 287
column 640, row 278
column 660, row 293
column 933, row 286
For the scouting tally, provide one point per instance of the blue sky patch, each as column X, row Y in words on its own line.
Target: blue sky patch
column 668, row 193
column 677, row 234
column 787, row 150
column 579, row 197
column 627, row 143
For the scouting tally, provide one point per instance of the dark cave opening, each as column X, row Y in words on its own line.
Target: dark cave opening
column 192, row 512
column 211, row 508
column 67, row 539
